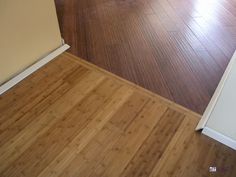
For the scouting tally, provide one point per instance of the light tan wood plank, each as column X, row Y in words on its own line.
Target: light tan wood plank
column 155, row 145
column 89, row 122
column 62, row 132
column 27, row 95
column 122, row 148
column 84, row 137
column 15, row 146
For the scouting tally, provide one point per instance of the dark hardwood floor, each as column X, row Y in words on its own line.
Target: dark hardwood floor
column 178, row 49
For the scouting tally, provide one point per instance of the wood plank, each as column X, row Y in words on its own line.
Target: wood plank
column 133, row 40
column 152, row 148
column 18, row 121
column 84, row 137
column 94, row 123
column 61, row 133
column 45, row 120
column 18, row 100
column 121, row 150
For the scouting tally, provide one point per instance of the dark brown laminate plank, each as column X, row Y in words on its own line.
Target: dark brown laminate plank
column 134, row 39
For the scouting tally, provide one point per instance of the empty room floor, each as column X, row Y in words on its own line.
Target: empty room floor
column 178, row 49
column 72, row 119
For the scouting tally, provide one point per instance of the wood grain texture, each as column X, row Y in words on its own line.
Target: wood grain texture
column 73, row 119
column 178, row 49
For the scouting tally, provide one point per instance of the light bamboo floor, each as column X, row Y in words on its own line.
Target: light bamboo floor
column 73, row 119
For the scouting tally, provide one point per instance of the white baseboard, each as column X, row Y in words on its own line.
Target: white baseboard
column 219, row 137
column 9, row 84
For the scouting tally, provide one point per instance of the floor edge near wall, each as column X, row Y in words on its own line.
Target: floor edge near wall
column 31, row 69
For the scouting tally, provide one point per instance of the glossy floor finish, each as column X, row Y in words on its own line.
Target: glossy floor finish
column 176, row 48
column 72, row 119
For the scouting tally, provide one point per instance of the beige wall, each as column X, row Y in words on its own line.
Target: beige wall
column 28, row 31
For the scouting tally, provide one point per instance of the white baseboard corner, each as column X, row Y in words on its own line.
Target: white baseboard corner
column 220, row 137
column 9, row 84
column 62, row 41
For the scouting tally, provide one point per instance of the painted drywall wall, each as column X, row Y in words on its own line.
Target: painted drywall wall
column 29, row 30
column 223, row 116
